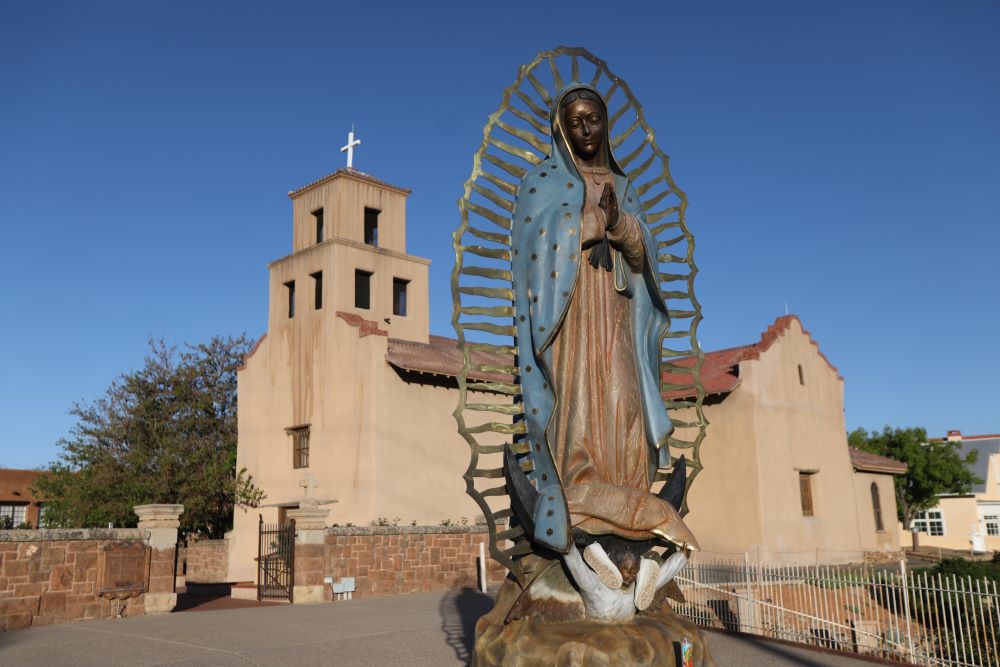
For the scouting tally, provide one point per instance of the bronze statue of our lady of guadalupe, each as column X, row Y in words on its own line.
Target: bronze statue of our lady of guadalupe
column 589, row 547
column 590, row 321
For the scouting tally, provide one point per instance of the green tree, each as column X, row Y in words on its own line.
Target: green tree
column 933, row 467
column 165, row 433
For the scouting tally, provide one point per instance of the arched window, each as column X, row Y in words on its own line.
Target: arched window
column 877, row 507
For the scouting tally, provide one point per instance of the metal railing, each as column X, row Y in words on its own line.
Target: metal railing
column 889, row 613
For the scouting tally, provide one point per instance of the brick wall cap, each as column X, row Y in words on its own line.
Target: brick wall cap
column 405, row 530
column 70, row 534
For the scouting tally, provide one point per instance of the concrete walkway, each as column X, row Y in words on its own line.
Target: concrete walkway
column 431, row 629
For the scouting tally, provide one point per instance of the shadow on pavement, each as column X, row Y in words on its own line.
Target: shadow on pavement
column 212, row 597
column 460, row 609
column 794, row 654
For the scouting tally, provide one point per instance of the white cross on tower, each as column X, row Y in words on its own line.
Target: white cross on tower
column 349, row 148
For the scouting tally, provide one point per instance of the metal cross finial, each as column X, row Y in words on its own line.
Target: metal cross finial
column 349, row 148
column 308, row 482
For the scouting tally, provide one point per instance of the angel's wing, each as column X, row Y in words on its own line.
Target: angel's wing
column 515, row 138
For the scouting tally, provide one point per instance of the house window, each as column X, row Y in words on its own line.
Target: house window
column 300, row 446
column 317, row 289
column 318, row 217
column 877, row 508
column 14, row 514
column 371, row 226
column 930, row 522
column 41, row 515
column 399, row 296
column 992, row 524
column 805, row 493
column 290, row 289
column 802, row 376
column 362, row 289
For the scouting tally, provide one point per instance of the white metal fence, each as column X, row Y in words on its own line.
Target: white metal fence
column 889, row 613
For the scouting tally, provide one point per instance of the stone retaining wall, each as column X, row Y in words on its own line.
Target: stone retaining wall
column 207, row 561
column 55, row 576
column 389, row 560
column 51, row 576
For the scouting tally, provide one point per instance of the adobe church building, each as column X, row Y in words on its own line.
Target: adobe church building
column 779, row 479
column 349, row 399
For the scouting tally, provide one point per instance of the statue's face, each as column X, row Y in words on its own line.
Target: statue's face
column 583, row 122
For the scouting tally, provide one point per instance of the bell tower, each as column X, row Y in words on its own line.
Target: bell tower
column 349, row 256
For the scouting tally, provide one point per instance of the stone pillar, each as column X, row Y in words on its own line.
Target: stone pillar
column 159, row 524
column 310, row 547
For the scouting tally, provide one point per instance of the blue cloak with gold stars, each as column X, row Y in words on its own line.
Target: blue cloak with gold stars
column 546, row 258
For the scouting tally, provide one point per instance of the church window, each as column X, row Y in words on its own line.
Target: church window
column 399, row 296
column 318, row 217
column 802, row 376
column 290, row 289
column 877, row 508
column 371, row 226
column 300, row 446
column 805, row 493
column 317, row 289
column 992, row 524
column 930, row 522
column 362, row 289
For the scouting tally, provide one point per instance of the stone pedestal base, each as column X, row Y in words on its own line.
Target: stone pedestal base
column 654, row 638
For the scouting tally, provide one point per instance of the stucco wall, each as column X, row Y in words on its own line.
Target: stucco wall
column 872, row 539
column 961, row 517
column 344, row 199
column 964, row 514
column 760, row 437
column 800, row 428
column 725, row 502
column 380, row 445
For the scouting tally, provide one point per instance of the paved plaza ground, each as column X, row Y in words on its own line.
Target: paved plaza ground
column 424, row 629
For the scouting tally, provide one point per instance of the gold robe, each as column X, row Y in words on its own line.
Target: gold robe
column 597, row 434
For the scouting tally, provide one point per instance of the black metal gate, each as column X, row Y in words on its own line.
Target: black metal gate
column 275, row 561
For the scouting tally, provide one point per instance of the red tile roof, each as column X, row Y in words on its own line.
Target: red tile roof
column 15, row 485
column 868, row 462
column 719, row 369
column 442, row 356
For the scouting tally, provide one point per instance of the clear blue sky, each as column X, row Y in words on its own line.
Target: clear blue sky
column 838, row 156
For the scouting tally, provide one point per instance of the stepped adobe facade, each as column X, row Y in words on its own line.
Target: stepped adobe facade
column 779, row 479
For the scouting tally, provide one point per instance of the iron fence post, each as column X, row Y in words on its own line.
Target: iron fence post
column 906, row 608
